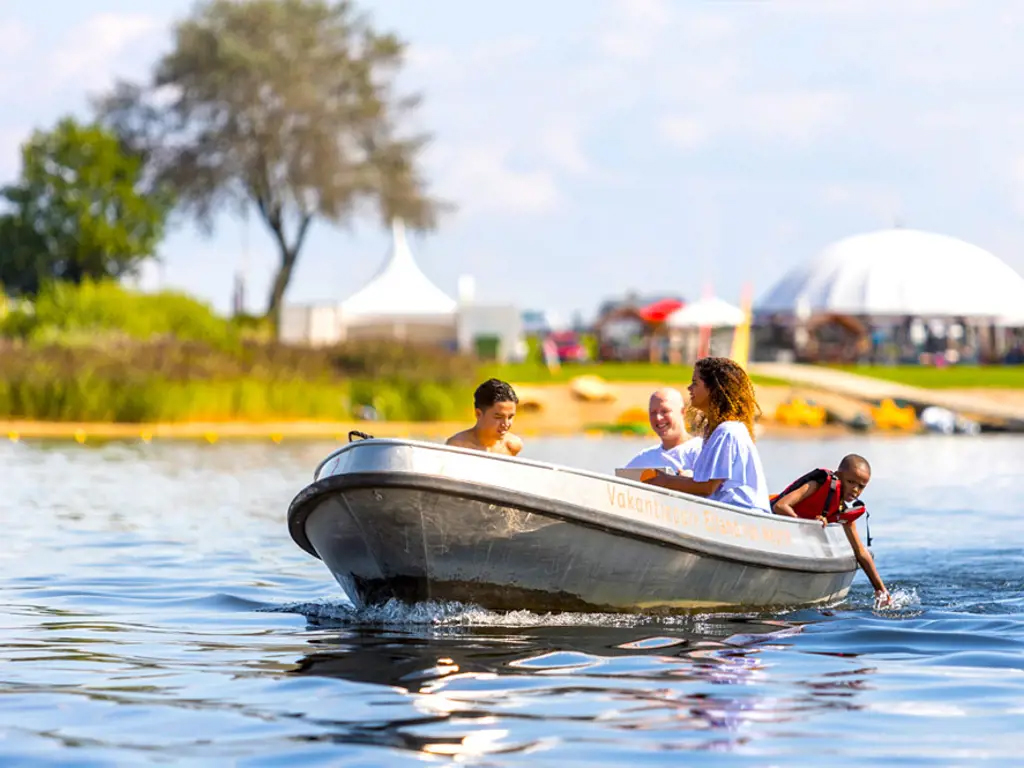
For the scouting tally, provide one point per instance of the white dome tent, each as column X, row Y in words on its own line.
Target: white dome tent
column 400, row 301
column 895, row 295
column 900, row 273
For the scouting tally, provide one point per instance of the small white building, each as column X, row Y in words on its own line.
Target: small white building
column 490, row 331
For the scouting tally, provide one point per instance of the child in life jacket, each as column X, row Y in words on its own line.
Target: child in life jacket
column 833, row 497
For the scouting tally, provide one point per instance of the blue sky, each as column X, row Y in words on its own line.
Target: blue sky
column 595, row 146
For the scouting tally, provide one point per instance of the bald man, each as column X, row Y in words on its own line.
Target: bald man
column 675, row 451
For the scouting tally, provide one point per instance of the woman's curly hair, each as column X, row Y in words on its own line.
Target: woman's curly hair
column 731, row 393
column 695, row 422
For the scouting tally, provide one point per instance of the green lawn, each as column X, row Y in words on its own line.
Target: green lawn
column 535, row 373
column 954, row 377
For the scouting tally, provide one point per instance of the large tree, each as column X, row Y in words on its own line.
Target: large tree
column 79, row 211
column 285, row 105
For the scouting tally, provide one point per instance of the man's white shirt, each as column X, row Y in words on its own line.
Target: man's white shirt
column 682, row 457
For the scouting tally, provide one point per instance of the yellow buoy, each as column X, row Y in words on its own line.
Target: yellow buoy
column 211, row 438
column 888, row 415
column 797, row 412
column 146, row 436
column 79, row 436
column 13, row 436
column 276, row 438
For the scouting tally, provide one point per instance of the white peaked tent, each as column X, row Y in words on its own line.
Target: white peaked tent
column 709, row 312
column 900, row 272
column 400, row 301
column 399, row 289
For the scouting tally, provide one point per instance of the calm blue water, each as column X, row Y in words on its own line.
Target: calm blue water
column 155, row 611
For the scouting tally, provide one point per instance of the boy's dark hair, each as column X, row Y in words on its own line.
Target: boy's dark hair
column 493, row 391
column 854, row 461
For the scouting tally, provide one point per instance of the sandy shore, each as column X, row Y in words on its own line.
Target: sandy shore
column 549, row 409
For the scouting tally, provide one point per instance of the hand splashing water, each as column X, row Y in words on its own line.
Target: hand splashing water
column 897, row 600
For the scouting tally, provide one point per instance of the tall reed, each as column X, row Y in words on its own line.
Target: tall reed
column 171, row 380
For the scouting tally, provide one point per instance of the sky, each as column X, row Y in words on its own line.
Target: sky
column 594, row 147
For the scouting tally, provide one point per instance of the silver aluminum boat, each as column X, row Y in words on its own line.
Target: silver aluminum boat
column 421, row 521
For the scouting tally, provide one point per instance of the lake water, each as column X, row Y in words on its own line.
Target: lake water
column 156, row 611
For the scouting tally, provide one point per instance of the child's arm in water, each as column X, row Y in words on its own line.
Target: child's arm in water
column 866, row 561
column 784, row 505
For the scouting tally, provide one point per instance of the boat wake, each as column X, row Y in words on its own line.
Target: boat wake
column 454, row 614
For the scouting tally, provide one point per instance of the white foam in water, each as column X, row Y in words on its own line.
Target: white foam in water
column 900, row 600
column 434, row 613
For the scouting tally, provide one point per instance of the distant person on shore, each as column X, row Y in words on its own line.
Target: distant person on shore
column 728, row 468
column 495, row 403
column 669, row 415
column 834, row 497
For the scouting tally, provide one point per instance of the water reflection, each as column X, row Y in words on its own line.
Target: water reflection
column 150, row 615
column 697, row 687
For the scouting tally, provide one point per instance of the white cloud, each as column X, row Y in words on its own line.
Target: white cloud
column 790, row 117
column 506, row 126
column 15, row 39
column 866, row 9
column 15, row 42
column 11, row 139
column 94, row 49
column 836, row 194
column 632, row 26
column 430, row 63
column 562, row 145
column 878, row 202
column 683, row 131
column 480, row 178
column 1017, row 183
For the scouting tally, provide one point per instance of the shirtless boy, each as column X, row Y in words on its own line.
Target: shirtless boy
column 495, row 404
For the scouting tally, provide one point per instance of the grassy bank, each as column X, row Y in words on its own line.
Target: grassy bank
column 100, row 353
column 953, row 377
column 173, row 381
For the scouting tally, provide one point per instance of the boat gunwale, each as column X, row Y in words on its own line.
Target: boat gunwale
column 304, row 504
column 484, row 455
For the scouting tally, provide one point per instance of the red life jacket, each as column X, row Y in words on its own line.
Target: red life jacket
column 826, row 500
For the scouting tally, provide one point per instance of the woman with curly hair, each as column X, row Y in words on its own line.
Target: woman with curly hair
column 728, row 469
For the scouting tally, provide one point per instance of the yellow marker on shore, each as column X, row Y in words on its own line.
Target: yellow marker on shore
column 211, row 438
column 276, row 438
column 147, row 437
column 14, row 436
column 79, row 436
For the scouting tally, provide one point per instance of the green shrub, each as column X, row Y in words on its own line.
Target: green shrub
column 83, row 315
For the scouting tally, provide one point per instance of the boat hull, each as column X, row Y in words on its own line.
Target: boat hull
column 415, row 522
